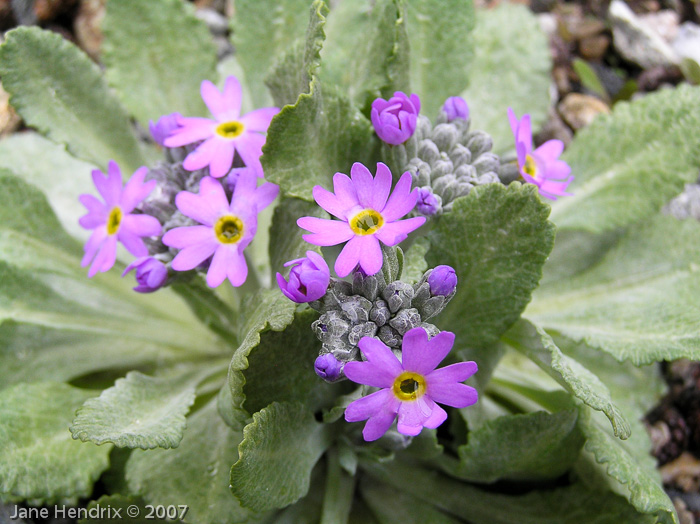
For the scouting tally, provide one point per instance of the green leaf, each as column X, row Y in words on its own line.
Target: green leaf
column 615, row 305
column 632, row 479
column 279, row 450
column 511, row 68
column 539, row 347
column 307, row 143
column 39, row 461
column 209, row 308
column 281, row 368
column 292, row 75
column 589, row 78
column 157, row 57
column 340, row 488
column 391, row 505
column 269, row 309
column 574, row 504
column 442, row 49
column 535, row 445
column 48, row 165
column 415, row 264
column 196, row 473
column 262, row 31
column 497, row 239
column 57, row 89
column 632, row 162
column 286, row 242
column 137, row 412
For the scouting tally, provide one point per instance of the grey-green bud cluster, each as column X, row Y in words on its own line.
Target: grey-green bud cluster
column 446, row 161
column 371, row 307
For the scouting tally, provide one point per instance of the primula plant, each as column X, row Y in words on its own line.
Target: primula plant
column 340, row 299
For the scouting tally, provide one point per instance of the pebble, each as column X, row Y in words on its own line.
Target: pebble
column 684, row 472
column 636, row 41
column 87, row 26
column 9, row 120
column 554, row 128
column 664, row 23
column 594, row 47
column 216, row 22
column 687, row 41
column 579, row 110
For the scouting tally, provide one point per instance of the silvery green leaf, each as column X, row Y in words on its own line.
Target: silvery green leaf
column 157, row 57
column 632, row 162
column 58, row 90
column 39, row 460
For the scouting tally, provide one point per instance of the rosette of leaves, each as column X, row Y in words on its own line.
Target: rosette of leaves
column 208, row 398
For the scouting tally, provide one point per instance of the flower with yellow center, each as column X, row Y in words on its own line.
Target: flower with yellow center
column 369, row 213
column 410, row 387
column 226, row 227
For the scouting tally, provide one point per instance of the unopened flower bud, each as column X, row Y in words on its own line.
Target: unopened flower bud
column 394, row 120
column 308, row 279
column 442, row 281
column 151, row 274
column 328, row 367
column 428, row 203
column 165, row 125
column 456, row 107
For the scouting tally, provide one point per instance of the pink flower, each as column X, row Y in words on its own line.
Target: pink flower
column 542, row 166
column 225, row 135
column 409, row 389
column 113, row 220
column 226, row 228
column 368, row 215
column 308, row 278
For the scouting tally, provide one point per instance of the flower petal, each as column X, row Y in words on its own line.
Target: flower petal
column 93, row 204
column 132, row 242
column 401, row 201
column 214, row 100
column 325, row 232
column 423, row 355
column 141, row 225
column 93, row 244
column 329, row 202
column 345, row 192
column 191, row 130
column 382, row 186
column 371, row 259
column 363, row 182
column 550, row 150
column 135, row 190
column 369, row 374
column 437, row 417
column 376, row 352
column 232, row 98
column 222, row 159
column 458, row 372
column 106, row 256
column 349, row 257
column 412, row 416
column 93, row 220
column 452, row 394
column 202, row 156
column 237, row 269
column 205, row 207
column 191, row 256
column 259, row 120
column 396, row 232
column 181, row 237
column 249, row 147
column 265, row 195
column 216, row 273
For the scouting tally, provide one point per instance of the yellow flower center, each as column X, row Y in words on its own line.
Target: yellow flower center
column 114, row 219
column 229, row 229
column 409, row 386
column 530, row 166
column 230, row 129
column 366, row 222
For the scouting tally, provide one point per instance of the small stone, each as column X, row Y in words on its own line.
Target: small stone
column 664, row 22
column 579, row 110
column 636, row 41
column 687, row 41
column 216, row 22
column 47, row 10
column 562, row 79
column 548, row 23
column 554, row 128
column 684, row 516
column 9, row 120
column 684, row 472
column 586, row 28
column 87, row 26
column 594, row 47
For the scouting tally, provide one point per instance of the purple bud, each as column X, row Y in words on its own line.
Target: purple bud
column 151, row 274
column 442, row 281
column 427, row 204
column 164, row 127
column 308, row 279
column 328, row 367
column 456, row 107
column 395, row 119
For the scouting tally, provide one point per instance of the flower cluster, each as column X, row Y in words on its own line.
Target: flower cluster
column 182, row 215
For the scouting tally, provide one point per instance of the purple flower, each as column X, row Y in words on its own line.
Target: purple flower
column 542, row 166
column 456, row 107
column 367, row 216
column 442, row 280
column 395, row 119
column 427, row 204
column 164, row 127
column 227, row 134
column 113, row 220
column 409, row 389
column 151, row 274
column 308, row 279
column 328, row 367
column 226, row 230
